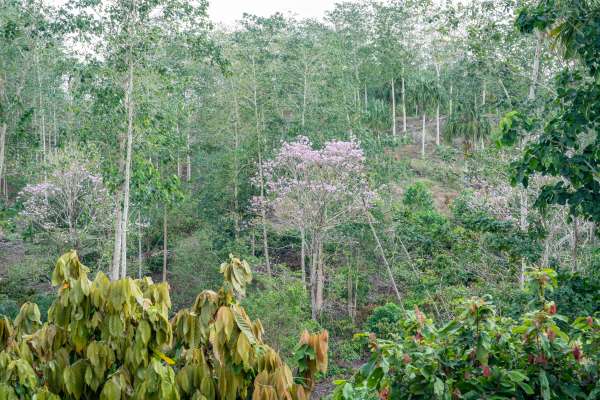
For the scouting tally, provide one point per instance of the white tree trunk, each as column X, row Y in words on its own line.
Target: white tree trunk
column 403, row 106
column 165, row 247
column 574, row 244
column 535, row 72
column 304, row 94
column 393, row 109
column 127, row 180
column 366, row 100
column 383, row 257
column 451, row 101
column 188, row 175
column 524, row 226
column 423, row 136
column 303, row 255
column 140, row 259
column 437, row 127
column 3, row 129
column 116, row 261
column 260, row 172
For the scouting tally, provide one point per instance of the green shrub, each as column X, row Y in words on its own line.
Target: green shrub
column 384, row 320
column 480, row 355
column 417, row 196
column 284, row 308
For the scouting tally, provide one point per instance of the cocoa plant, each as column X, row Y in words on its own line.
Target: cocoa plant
column 113, row 340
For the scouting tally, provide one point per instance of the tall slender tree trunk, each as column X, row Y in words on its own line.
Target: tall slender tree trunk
column 126, row 183
column 382, row 253
column 437, row 112
column 304, row 94
column 236, row 169
column 423, row 136
column 303, row 255
column 535, row 71
column 263, row 213
column 313, row 276
column 575, row 244
column 140, row 258
column 366, row 100
column 393, row 109
column 3, row 129
column 451, row 101
column 484, row 93
column 116, row 261
column 524, row 225
column 437, row 127
column 403, row 106
column 320, row 281
column 165, row 247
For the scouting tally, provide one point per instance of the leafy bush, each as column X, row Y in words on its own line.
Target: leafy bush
column 384, row 320
column 284, row 307
column 110, row 339
column 417, row 196
column 480, row 355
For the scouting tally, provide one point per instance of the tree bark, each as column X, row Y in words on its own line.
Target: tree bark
column 575, row 243
column 524, row 226
column 3, row 129
column 437, row 127
column 535, row 72
column 437, row 113
column 423, row 136
column 116, row 261
column 303, row 255
column 260, row 172
column 313, row 276
column 126, row 184
column 451, row 101
column 403, row 106
column 382, row 253
column 140, row 259
column 393, row 109
column 320, row 281
column 305, row 93
column 165, row 248
column 236, row 172
column 366, row 100
column 188, row 175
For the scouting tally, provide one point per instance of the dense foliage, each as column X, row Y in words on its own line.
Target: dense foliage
column 480, row 354
column 109, row 340
column 350, row 159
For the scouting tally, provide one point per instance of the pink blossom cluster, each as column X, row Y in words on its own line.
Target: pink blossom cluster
column 68, row 201
column 316, row 189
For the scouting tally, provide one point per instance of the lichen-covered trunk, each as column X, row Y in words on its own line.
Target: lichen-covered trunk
column 535, row 71
column 524, row 211
column 165, row 246
column 403, row 107
column 127, row 178
column 303, row 255
column 393, row 109
column 3, row 129
column 437, row 127
column 140, row 258
column 423, row 135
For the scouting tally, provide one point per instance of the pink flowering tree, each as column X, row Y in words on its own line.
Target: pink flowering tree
column 314, row 191
column 70, row 201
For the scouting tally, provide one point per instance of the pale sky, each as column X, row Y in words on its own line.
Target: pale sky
column 229, row 11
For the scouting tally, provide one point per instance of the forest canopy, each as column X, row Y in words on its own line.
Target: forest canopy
column 412, row 184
